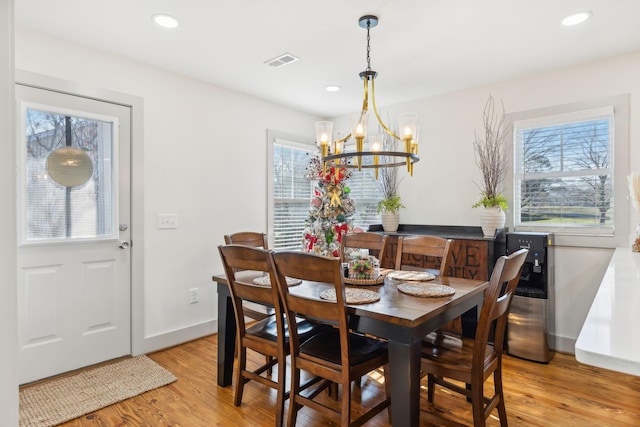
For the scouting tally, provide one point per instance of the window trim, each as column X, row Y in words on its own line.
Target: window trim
column 620, row 104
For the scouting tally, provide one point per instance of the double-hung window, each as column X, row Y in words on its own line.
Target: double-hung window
column 290, row 191
column 566, row 171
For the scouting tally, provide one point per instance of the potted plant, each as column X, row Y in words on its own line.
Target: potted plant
column 491, row 158
column 390, row 205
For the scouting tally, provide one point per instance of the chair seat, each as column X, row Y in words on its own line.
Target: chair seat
column 267, row 329
column 326, row 346
column 443, row 338
column 452, row 355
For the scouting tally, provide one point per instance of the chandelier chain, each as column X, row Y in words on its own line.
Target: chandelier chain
column 368, row 46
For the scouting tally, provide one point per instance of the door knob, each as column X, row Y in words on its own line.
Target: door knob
column 123, row 244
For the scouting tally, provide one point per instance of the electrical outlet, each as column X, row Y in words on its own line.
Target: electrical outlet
column 193, row 295
column 167, row 221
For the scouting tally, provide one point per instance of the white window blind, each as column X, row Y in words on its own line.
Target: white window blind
column 291, row 192
column 564, row 172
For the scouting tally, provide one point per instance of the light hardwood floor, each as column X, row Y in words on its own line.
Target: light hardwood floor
column 563, row 393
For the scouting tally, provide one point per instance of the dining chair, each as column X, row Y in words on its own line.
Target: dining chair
column 257, row 240
column 435, row 247
column 336, row 355
column 268, row 336
column 477, row 359
column 247, row 238
column 365, row 240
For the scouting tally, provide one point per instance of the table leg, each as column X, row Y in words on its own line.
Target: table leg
column 226, row 336
column 404, row 363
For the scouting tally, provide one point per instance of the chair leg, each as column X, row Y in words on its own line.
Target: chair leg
column 345, row 406
column 282, row 374
column 239, row 378
column 293, row 393
column 267, row 360
column 431, row 385
column 477, row 403
column 502, row 410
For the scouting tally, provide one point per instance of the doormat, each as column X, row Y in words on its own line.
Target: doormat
column 62, row 399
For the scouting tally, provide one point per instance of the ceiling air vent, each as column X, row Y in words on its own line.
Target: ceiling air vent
column 281, row 60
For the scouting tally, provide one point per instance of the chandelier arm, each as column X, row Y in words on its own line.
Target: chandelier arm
column 375, row 110
column 338, row 141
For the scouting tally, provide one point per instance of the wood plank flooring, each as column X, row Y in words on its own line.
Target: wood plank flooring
column 563, row 393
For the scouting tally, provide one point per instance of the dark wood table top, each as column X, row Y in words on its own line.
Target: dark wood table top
column 394, row 306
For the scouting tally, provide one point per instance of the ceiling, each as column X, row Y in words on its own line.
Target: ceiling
column 420, row 47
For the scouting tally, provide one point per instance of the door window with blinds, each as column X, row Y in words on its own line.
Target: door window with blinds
column 290, row 192
column 68, row 175
column 564, row 172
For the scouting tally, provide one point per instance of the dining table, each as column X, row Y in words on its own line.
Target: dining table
column 399, row 318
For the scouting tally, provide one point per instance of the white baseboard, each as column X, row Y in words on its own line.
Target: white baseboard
column 563, row 344
column 178, row 336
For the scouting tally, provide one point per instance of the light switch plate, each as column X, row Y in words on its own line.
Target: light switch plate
column 167, row 221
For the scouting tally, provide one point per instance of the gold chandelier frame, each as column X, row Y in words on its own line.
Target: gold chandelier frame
column 339, row 158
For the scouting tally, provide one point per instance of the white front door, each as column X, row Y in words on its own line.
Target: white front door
column 74, row 262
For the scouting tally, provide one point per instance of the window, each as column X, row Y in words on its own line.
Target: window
column 566, row 177
column 55, row 212
column 290, row 192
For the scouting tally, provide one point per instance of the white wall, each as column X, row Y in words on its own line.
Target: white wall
column 8, row 301
column 204, row 160
column 196, row 136
column 443, row 190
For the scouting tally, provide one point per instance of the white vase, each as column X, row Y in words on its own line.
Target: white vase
column 491, row 219
column 390, row 221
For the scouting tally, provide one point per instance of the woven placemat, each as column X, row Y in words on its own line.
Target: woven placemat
column 266, row 281
column 354, row 296
column 417, row 276
column 62, row 399
column 425, row 290
column 364, row 282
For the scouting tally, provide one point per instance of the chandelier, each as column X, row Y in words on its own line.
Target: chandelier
column 378, row 155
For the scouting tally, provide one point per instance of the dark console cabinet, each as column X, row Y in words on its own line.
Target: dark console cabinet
column 473, row 255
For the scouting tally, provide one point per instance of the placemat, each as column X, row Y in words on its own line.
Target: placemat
column 417, row 276
column 365, row 282
column 354, row 296
column 426, row 291
column 266, row 281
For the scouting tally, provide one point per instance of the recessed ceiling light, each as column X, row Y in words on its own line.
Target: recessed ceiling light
column 165, row 21
column 333, row 88
column 576, row 18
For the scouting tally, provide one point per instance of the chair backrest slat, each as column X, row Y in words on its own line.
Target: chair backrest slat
column 432, row 246
column 247, row 238
column 366, row 240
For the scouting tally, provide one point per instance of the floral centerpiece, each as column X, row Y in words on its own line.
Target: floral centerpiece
column 364, row 267
column 331, row 209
